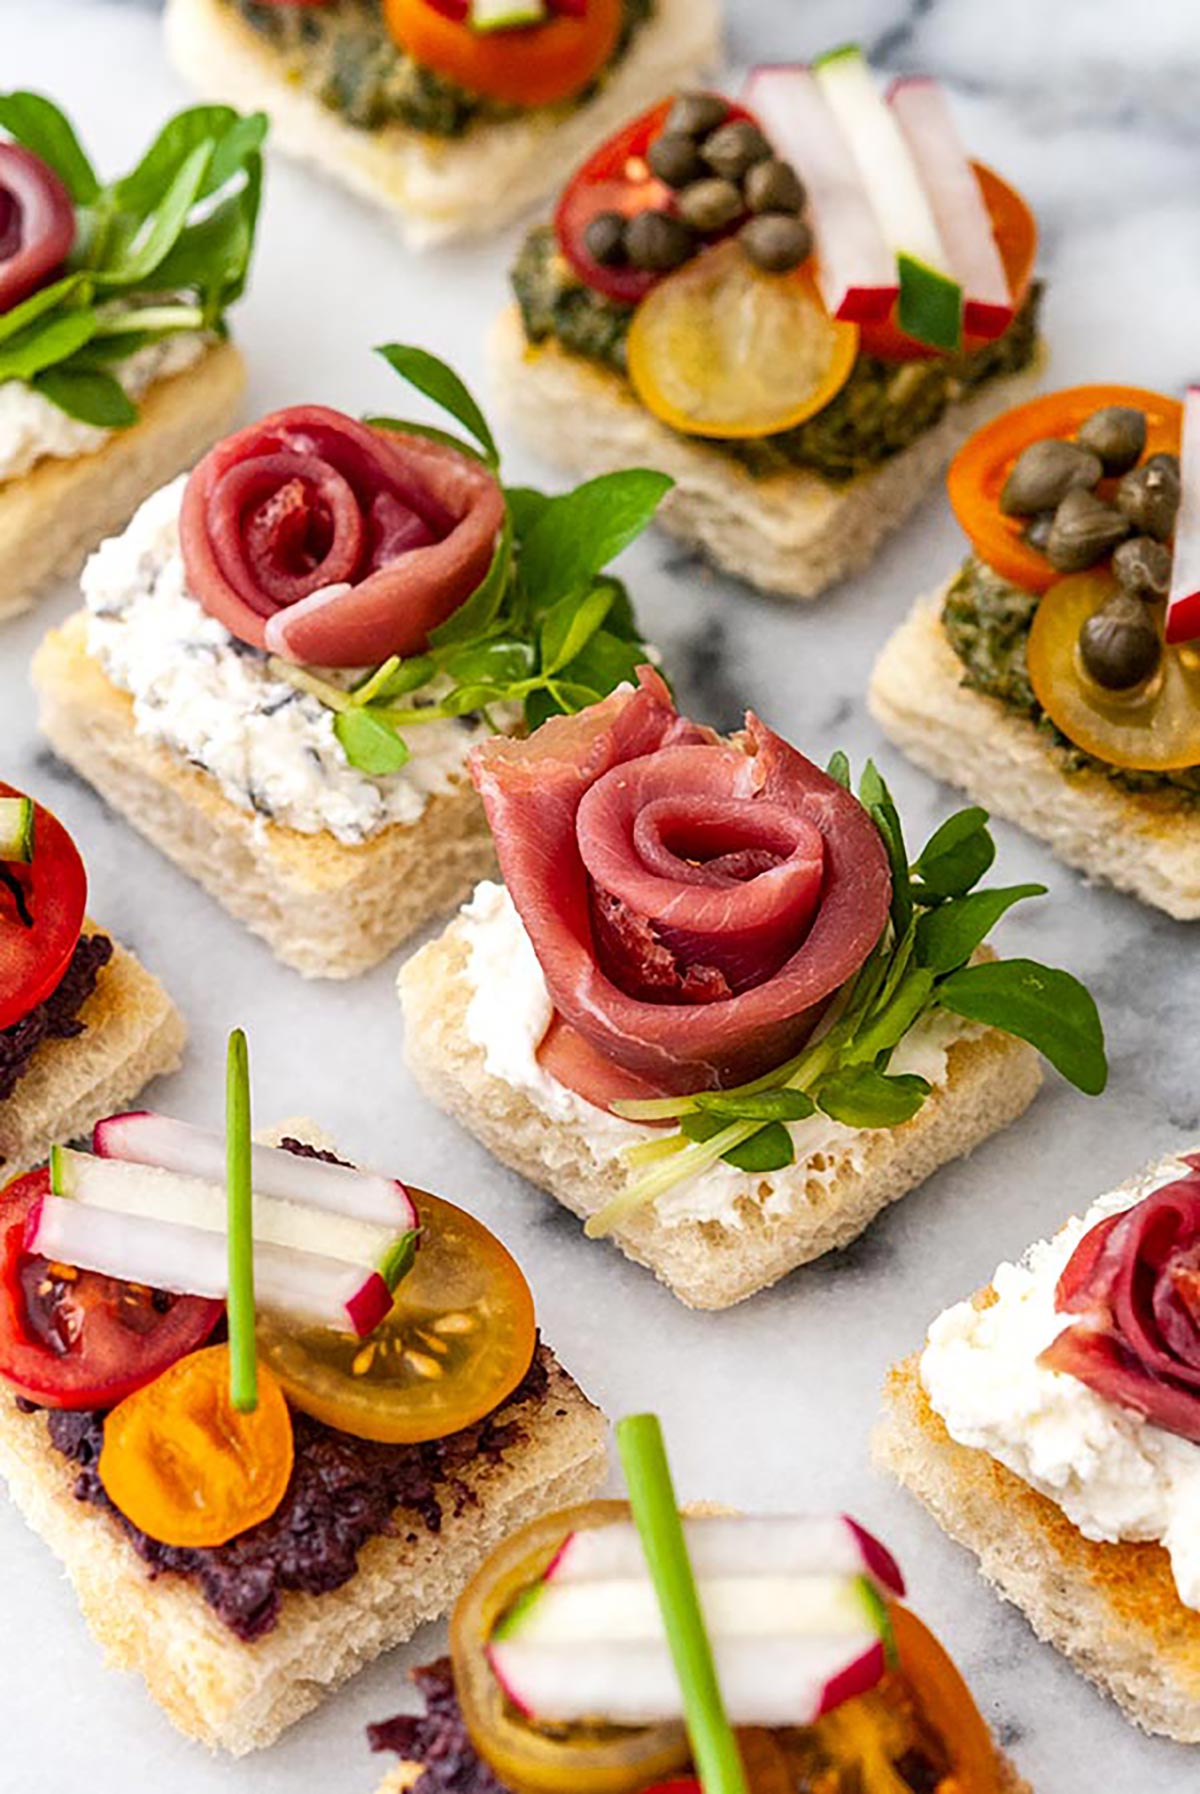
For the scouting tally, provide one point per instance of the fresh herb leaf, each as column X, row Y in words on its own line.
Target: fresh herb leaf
column 576, row 535
column 197, row 127
column 481, row 609
column 370, row 742
column 140, row 251
column 37, row 123
column 569, row 625
column 1048, row 1008
column 88, row 394
column 956, row 855
column 947, row 936
column 839, row 769
column 877, row 800
column 757, row 1105
column 864, row 1097
column 52, row 338
column 770, row 1149
column 440, row 383
column 501, row 661
column 412, row 426
column 400, row 678
column 606, row 661
column 525, row 506
column 13, row 322
column 892, row 1021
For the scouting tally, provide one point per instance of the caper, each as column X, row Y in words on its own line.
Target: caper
column 1037, row 530
column 658, row 241
column 776, row 241
column 1044, row 473
column 696, row 114
column 1149, row 497
column 774, row 186
column 710, row 205
column 1084, row 530
column 733, row 148
column 1143, row 567
column 1117, row 434
column 675, row 159
column 604, row 239
column 1168, row 462
column 1119, row 645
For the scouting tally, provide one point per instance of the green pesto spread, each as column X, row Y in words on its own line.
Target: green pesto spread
column 343, row 53
column 987, row 623
column 883, row 407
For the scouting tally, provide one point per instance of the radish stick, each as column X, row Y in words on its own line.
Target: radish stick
column 240, row 1304
column 1183, row 604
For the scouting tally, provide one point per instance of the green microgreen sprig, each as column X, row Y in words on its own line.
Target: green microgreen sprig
column 924, row 961
column 547, row 631
column 164, row 249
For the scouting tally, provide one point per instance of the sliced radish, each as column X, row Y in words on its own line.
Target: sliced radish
column 144, row 1138
column 1183, row 604
column 856, row 270
column 16, row 828
column 737, row 1545
column 963, row 221
column 192, row 1261
column 930, row 306
column 752, row 1604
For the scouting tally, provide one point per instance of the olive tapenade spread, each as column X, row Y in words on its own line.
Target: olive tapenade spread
column 343, row 53
column 437, row 1739
column 57, row 1017
column 883, row 407
column 987, row 623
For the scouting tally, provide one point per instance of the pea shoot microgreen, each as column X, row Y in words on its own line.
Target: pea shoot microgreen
column 924, row 961
column 546, row 633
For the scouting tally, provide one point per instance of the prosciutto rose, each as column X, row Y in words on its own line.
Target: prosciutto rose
column 694, row 901
column 1134, row 1281
column 333, row 543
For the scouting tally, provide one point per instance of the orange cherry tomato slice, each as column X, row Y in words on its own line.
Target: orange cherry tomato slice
column 979, row 470
column 946, row 1704
column 721, row 349
column 185, row 1467
column 530, row 65
column 458, row 1341
column 1016, row 233
column 53, row 890
column 1153, row 728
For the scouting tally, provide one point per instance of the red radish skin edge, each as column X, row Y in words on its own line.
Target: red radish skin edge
column 509, row 1693
column 369, row 1305
column 877, row 1558
column 1183, row 607
column 859, row 1677
column 556, row 1560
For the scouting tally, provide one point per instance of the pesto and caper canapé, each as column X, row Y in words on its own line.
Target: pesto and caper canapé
column 882, row 408
column 343, row 53
column 987, row 621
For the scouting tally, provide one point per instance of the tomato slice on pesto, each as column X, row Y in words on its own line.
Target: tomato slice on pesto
column 41, row 914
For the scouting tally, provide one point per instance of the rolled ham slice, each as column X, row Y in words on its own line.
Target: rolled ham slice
column 693, row 901
column 331, row 543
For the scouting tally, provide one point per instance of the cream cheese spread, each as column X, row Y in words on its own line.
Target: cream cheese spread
column 509, row 1011
column 1114, row 1475
column 214, row 701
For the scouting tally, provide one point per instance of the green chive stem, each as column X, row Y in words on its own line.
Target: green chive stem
column 242, row 1360
column 652, row 1498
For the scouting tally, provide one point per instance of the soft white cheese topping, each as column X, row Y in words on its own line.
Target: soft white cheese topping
column 31, row 428
column 1112, row 1473
column 509, row 1012
column 211, row 699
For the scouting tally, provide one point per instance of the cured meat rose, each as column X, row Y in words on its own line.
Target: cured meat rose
column 332, row 543
column 694, row 901
column 1135, row 1281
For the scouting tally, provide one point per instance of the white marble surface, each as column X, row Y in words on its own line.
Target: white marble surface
column 1089, row 106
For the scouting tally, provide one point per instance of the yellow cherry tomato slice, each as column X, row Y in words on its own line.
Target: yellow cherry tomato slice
column 599, row 1760
column 719, row 348
column 1153, row 728
column 184, row 1466
column 946, row 1704
column 458, row 1341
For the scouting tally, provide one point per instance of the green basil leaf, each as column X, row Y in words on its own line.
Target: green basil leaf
column 88, row 394
column 947, row 936
column 369, row 742
column 39, row 303
column 1048, row 1008
column 501, row 661
column 411, row 426
column 37, row 123
column 957, row 854
column 569, row 625
column 576, row 535
column 771, row 1149
column 888, row 1027
column 757, row 1105
column 471, row 619
column 863, row 1097
column 441, row 384
column 877, row 800
column 839, row 769
column 135, row 255
column 40, row 345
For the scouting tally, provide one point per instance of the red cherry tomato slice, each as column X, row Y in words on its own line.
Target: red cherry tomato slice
column 616, row 178
column 53, row 890
column 75, row 1339
column 37, row 223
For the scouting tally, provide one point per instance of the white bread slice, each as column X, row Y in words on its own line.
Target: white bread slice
column 54, row 515
column 326, row 908
column 133, row 1033
column 790, row 533
column 440, row 188
column 1113, row 1610
column 1144, row 842
column 992, row 1079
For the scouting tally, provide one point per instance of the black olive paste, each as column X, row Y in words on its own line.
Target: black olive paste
column 987, row 623
column 343, row 53
column 56, row 1017
column 883, row 407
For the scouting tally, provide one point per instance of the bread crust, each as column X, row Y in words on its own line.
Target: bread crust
column 328, row 909
column 1113, row 1610
column 707, row 1264
column 133, row 1033
column 439, row 188
column 792, row 534
column 1147, row 843
column 54, row 515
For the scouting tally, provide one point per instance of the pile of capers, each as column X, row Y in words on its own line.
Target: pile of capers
column 723, row 173
column 1053, row 483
